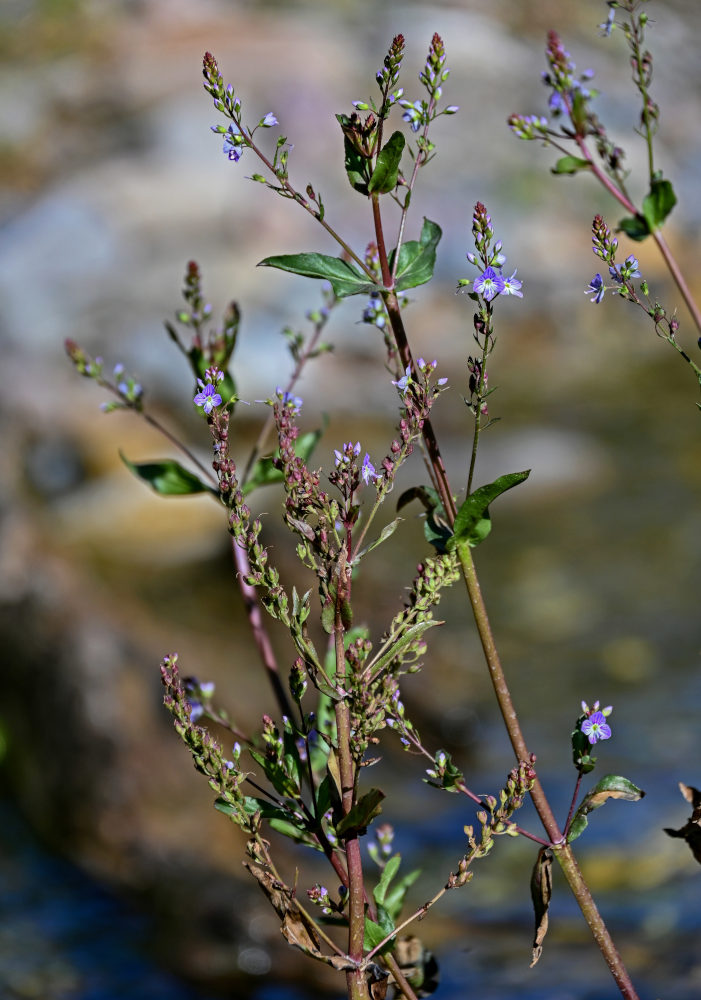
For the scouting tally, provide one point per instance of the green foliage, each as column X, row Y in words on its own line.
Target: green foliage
column 384, row 176
column 417, row 259
column 436, row 528
column 264, row 472
column 357, row 820
column 658, row 203
column 570, row 165
column 635, row 227
column 611, row 786
column 345, row 279
column 472, row 522
column 168, row 478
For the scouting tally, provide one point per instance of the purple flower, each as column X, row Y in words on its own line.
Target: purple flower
column 348, row 452
column 233, row 143
column 268, row 120
column 607, row 25
column 630, row 267
column 596, row 289
column 596, row 728
column 512, row 286
column 403, row 383
column 489, row 284
column 208, row 399
column 196, row 710
column 287, row 399
column 414, row 114
column 368, row 471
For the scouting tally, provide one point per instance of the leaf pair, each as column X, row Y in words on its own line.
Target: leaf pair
column 417, row 260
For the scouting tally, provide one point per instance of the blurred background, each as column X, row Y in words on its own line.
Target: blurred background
column 118, row 877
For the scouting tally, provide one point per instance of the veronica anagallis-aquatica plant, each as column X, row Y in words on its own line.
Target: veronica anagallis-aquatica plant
column 306, row 772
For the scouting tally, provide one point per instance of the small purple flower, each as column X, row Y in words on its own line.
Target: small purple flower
column 414, row 114
column 607, row 25
column 208, row 399
column 368, row 470
column 596, row 289
column 403, row 383
column 630, row 267
column 196, row 710
column 269, row 120
column 348, row 452
column 287, row 399
column 512, row 286
column 596, row 728
column 233, row 143
column 489, row 284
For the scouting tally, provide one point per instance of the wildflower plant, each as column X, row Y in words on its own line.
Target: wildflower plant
column 305, row 772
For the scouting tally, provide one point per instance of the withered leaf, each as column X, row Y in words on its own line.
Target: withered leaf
column 691, row 831
column 297, row 930
column 541, row 892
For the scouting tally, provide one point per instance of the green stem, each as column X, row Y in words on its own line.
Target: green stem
column 301, row 200
column 478, row 412
column 563, row 852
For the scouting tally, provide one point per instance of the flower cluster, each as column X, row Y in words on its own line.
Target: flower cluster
column 489, row 260
column 128, row 390
column 225, row 101
column 346, row 464
column 528, row 126
column 291, row 402
column 605, row 246
column 419, row 114
column 568, row 91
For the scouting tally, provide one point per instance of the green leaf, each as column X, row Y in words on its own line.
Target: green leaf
column 345, row 279
column 611, row 786
column 570, row 165
column 397, row 648
column 436, row 528
column 388, row 873
column 362, row 813
column 635, row 227
column 264, row 472
column 469, row 522
column 376, row 932
column 386, row 533
column 384, row 176
column 417, row 259
column 394, row 899
column 357, row 166
column 658, row 203
column 168, row 478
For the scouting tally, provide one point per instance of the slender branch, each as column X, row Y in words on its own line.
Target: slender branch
column 573, row 803
column 657, row 236
column 480, row 391
column 294, row 377
column 260, row 635
column 301, row 200
column 357, row 985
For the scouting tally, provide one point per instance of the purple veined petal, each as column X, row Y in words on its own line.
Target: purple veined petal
column 489, row 284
